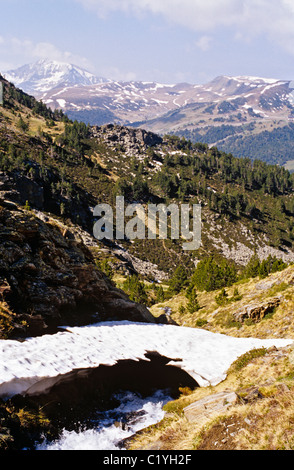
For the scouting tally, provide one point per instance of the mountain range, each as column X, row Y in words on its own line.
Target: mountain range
column 248, row 116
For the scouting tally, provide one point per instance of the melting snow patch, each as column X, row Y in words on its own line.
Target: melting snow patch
column 61, row 102
column 204, row 355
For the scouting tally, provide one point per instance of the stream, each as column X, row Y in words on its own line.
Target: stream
column 109, row 429
column 79, row 366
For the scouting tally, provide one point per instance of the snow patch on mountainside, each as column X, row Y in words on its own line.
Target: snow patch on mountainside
column 251, row 79
column 45, row 75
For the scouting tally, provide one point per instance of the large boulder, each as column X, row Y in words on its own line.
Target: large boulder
column 203, row 409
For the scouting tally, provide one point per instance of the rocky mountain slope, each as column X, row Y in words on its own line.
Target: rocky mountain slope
column 166, row 172
column 49, row 277
column 67, row 168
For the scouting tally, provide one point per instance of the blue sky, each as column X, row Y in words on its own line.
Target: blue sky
column 167, row 41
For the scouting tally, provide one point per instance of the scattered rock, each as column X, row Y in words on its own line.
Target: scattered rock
column 134, row 264
column 122, row 425
column 202, row 409
column 283, row 388
column 165, row 318
column 266, row 285
column 250, row 394
column 272, row 349
column 5, row 289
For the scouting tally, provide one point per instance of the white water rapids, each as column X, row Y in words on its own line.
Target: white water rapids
column 137, row 412
column 34, row 365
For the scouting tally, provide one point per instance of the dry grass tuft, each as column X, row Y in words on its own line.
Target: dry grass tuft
column 7, row 318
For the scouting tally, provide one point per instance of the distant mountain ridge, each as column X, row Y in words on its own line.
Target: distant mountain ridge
column 245, row 115
column 79, row 90
column 45, row 75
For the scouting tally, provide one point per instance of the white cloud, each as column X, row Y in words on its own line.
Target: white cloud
column 196, row 14
column 116, row 73
column 15, row 51
column 204, row 43
column 248, row 18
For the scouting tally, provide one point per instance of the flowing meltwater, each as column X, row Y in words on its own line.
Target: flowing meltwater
column 32, row 367
column 114, row 426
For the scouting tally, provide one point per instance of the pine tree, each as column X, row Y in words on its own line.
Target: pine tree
column 193, row 304
column 178, row 280
column 22, row 125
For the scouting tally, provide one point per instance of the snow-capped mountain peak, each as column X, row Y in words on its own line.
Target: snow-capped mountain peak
column 44, row 75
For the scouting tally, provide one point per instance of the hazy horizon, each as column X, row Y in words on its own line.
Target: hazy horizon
column 167, row 41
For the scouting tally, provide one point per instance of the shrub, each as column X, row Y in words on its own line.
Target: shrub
column 201, row 322
column 246, row 358
column 222, row 297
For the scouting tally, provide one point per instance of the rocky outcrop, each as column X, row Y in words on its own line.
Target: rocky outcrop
column 131, row 141
column 48, row 277
column 21, row 189
column 41, row 193
column 257, row 311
